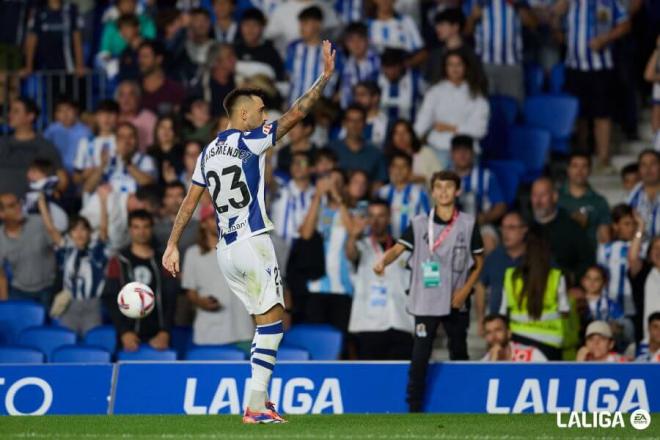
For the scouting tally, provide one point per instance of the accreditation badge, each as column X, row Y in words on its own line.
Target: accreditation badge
column 377, row 294
column 431, row 273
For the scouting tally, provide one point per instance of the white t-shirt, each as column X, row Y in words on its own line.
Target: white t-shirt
column 230, row 324
column 522, row 353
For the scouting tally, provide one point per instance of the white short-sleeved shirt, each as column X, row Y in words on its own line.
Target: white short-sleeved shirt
column 232, row 167
column 117, row 175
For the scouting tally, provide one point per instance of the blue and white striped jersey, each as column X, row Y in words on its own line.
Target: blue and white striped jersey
column 83, row 270
column 338, row 270
column 232, row 167
column 405, row 204
column 399, row 32
column 266, row 6
column 613, row 256
column 401, row 99
column 587, row 19
column 480, row 190
column 304, row 64
column 349, row 11
column 352, row 71
column 289, row 209
column 648, row 209
column 498, row 35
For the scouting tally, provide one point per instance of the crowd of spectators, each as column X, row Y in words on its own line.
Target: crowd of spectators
column 87, row 203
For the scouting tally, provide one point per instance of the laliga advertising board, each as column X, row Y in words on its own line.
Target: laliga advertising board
column 328, row 387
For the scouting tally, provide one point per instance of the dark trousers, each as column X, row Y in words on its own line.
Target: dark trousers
column 455, row 325
column 328, row 308
column 552, row 353
column 389, row 345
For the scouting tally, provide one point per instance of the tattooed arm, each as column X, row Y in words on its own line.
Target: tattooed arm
column 171, row 255
column 305, row 103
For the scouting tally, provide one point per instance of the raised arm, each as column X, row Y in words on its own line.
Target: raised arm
column 171, row 255
column 305, row 103
column 52, row 231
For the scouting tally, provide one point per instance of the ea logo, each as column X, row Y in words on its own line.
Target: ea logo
column 640, row 419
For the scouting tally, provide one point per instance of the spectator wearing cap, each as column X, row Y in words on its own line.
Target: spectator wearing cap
column 256, row 56
column 129, row 98
column 354, row 152
column 645, row 196
column 172, row 198
column 220, row 317
column 449, row 24
column 591, row 27
column 225, row 28
column 401, row 88
column 588, row 208
column 455, row 105
column 598, row 345
column 304, row 62
column 388, row 29
column 160, row 94
column 22, row 147
column 497, row 25
column 67, row 131
column 481, row 195
column 650, row 352
column 112, row 42
column 500, row 346
column 367, row 95
column 359, row 64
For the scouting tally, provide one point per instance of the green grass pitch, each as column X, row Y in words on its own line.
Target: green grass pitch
column 331, row 427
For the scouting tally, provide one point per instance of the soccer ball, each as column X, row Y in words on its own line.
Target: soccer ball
column 135, row 300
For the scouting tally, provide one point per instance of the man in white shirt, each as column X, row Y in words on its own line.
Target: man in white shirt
column 502, row 348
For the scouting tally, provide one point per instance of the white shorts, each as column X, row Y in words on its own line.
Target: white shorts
column 251, row 270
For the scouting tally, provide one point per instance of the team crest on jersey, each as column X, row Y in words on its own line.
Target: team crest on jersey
column 266, row 128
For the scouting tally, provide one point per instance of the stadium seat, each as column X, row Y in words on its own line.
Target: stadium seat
column 215, row 353
column 555, row 113
column 503, row 114
column 46, row 339
column 323, row 342
column 534, row 78
column 557, row 78
column 16, row 316
column 292, row 354
column 181, row 340
column 146, row 353
column 508, row 174
column 80, row 355
column 506, row 106
column 530, row 146
column 103, row 336
column 20, row 355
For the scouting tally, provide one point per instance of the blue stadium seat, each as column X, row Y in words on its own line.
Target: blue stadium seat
column 531, row 146
column 80, row 355
column 146, row 353
column 557, row 78
column 506, row 106
column 508, row 174
column 323, row 342
column 555, row 113
column 534, row 79
column 20, row 355
column 103, row 336
column 181, row 339
column 292, row 354
column 215, row 353
column 46, row 339
column 16, row 316
column 503, row 114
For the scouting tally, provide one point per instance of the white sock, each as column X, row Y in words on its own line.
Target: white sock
column 266, row 339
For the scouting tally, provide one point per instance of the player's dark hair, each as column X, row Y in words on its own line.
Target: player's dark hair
column 254, row 14
column 128, row 20
column 108, row 106
column 30, row 105
column 156, row 47
column 452, row 16
column 648, row 152
column 629, row 169
column 393, row 57
column 140, row 214
column 371, row 86
column 621, row 211
column 356, row 108
column 462, row 141
column 78, row 220
column 44, row 165
column 496, row 317
column 579, row 155
column 357, row 28
column 325, row 153
column 176, row 184
column 400, row 155
column 446, row 176
column 311, row 13
column 236, row 95
column 655, row 316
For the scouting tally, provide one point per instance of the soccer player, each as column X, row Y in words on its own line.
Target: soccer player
column 232, row 167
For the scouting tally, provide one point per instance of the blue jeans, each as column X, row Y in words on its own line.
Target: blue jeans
column 44, row 296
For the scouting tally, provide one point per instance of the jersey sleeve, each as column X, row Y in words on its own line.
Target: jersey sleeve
column 408, row 238
column 476, row 242
column 198, row 177
column 262, row 138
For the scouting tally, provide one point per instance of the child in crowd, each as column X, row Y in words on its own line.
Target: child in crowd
column 43, row 181
column 92, row 148
column 67, row 131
